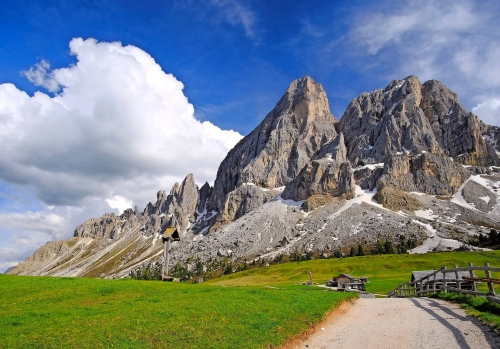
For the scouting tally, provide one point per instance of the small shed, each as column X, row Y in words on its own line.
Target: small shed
column 440, row 277
column 343, row 279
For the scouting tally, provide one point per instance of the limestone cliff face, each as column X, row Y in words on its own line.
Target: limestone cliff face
column 203, row 196
column 183, row 200
column 275, row 152
column 408, row 117
column 458, row 132
column 107, row 226
column 322, row 177
column 425, row 173
column 386, row 122
column 243, row 200
column 328, row 174
column 43, row 254
column 491, row 135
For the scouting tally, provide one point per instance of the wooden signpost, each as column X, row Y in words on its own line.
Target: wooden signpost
column 169, row 234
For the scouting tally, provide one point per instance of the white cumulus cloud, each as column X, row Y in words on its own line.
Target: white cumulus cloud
column 119, row 202
column 40, row 75
column 120, row 124
column 117, row 124
column 488, row 111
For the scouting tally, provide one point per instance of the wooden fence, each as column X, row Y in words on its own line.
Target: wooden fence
column 464, row 284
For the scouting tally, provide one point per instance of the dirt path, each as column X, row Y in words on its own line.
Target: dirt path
column 400, row 323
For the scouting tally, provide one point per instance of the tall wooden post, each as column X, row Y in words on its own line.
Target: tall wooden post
column 459, row 284
column 166, row 249
column 490, row 284
column 471, row 273
column 169, row 235
column 434, row 283
column 445, row 284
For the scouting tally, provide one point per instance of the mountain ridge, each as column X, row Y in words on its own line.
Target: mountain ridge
column 301, row 180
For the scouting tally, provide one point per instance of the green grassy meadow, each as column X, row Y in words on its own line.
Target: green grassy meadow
column 45, row 312
column 240, row 310
column 385, row 271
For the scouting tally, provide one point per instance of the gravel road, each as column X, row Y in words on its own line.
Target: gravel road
column 400, row 323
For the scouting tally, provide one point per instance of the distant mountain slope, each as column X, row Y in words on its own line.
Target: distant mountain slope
column 404, row 163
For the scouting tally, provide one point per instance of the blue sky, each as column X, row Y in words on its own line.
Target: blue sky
column 102, row 103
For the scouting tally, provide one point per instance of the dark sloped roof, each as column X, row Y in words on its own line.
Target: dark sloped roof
column 416, row 275
column 348, row 275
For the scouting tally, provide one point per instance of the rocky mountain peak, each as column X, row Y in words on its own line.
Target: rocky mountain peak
column 281, row 145
column 457, row 131
column 408, row 117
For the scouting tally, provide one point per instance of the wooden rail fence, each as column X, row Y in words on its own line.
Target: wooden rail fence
column 438, row 281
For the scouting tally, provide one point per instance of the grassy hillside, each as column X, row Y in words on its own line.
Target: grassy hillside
column 44, row 312
column 385, row 271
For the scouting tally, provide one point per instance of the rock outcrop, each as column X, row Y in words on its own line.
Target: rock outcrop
column 458, row 132
column 425, row 173
column 328, row 174
column 479, row 196
column 107, row 226
column 491, row 135
column 175, row 209
column 321, row 177
column 243, row 200
column 43, row 254
column 315, row 201
column 397, row 200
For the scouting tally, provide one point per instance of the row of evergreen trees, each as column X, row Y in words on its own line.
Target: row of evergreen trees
column 194, row 268
column 486, row 240
column 191, row 268
column 385, row 247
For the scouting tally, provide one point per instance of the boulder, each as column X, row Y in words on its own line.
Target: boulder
column 397, row 200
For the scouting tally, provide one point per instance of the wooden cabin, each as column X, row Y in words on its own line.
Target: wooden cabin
column 344, row 281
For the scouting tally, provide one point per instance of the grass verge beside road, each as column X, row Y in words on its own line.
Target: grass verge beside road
column 45, row 312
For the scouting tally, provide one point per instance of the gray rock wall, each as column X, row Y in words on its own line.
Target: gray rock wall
column 275, row 152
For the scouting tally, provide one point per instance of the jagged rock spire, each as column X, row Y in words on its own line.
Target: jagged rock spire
column 283, row 143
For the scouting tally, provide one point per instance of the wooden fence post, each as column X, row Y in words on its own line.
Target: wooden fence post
column 459, row 284
column 490, row 284
column 434, row 284
column 471, row 274
column 445, row 284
